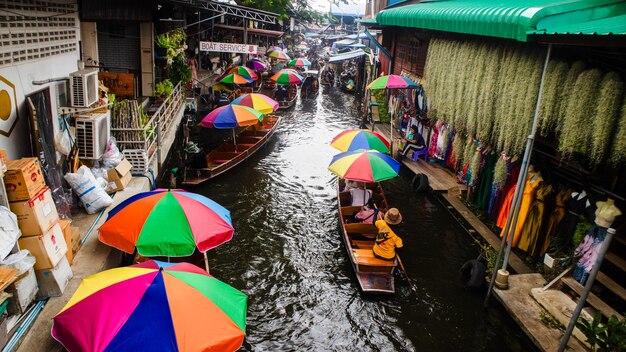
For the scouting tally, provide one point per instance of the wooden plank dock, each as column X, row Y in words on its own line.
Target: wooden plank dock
column 440, row 179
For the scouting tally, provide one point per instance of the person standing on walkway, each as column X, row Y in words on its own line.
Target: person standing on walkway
column 387, row 241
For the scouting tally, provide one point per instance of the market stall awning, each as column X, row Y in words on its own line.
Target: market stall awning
column 495, row 18
column 344, row 42
column 615, row 25
column 347, row 56
column 265, row 32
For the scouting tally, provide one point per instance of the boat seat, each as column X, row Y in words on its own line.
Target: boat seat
column 244, row 146
column 360, row 244
column 366, row 257
column 217, row 161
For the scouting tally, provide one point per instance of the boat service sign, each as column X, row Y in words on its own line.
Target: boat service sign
column 228, row 47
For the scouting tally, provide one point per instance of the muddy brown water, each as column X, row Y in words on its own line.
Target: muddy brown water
column 287, row 255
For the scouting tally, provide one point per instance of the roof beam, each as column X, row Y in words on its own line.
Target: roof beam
column 232, row 10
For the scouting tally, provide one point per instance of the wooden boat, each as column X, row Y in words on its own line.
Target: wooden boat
column 313, row 75
column 292, row 96
column 325, row 79
column 374, row 275
column 227, row 156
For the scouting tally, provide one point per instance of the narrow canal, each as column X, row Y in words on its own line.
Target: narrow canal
column 287, row 255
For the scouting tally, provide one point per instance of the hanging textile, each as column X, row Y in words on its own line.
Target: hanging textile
column 588, row 251
column 451, row 161
column 531, row 231
column 511, row 181
column 506, row 208
column 442, row 142
column 555, row 218
column 532, row 184
column 578, row 205
column 432, row 147
column 486, row 180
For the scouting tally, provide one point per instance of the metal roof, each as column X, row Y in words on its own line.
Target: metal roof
column 510, row 19
column 615, row 25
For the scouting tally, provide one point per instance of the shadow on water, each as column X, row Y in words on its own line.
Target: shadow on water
column 288, row 258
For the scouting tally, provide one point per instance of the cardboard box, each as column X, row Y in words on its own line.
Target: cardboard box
column 3, row 156
column 23, row 179
column 48, row 249
column 24, row 291
column 67, row 235
column 37, row 215
column 120, row 176
column 52, row 282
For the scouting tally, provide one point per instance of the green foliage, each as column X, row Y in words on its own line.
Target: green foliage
column 605, row 115
column 174, row 43
column 383, row 109
column 576, row 134
column 581, row 230
column 550, row 322
column 163, row 88
column 180, row 72
column 567, row 88
column 609, row 336
column 551, row 97
column 490, row 254
column 619, row 142
column 500, row 172
column 458, row 146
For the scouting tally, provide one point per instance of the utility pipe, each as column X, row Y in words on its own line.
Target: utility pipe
column 590, row 280
column 521, row 182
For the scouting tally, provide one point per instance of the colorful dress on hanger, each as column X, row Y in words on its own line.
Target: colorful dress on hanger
column 451, row 161
column 530, row 235
column 588, row 251
column 442, row 142
column 432, row 147
column 532, row 183
column 511, row 181
column 555, row 218
column 578, row 205
column 486, row 180
column 505, row 208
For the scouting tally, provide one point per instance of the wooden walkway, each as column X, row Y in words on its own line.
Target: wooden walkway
column 440, row 179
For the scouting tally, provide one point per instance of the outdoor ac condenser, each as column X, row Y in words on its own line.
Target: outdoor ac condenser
column 92, row 134
column 84, row 88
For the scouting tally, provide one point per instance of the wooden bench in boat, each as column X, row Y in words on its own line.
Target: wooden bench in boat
column 366, row 257
column 360, row 228
column 362, row 244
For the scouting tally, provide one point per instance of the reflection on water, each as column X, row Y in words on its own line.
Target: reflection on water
column 287, row 255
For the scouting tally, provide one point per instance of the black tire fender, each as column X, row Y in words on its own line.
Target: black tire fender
column 420, row 183
column 473, row 273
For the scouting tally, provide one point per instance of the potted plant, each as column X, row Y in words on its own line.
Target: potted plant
column 163, row 89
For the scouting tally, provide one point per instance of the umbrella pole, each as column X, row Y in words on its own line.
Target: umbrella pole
column 206, row 262
column 235, row 140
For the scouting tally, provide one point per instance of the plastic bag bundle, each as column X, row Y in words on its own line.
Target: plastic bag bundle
column 22, row 261
column 9, row 231
column 89, row 190
column 112, row 155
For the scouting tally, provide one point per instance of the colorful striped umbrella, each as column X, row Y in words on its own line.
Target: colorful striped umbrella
column 256, row 64
column 152, row 306
column 299, row 62
column 392, row 81
column 168, row 223
column 279, row 55
column 364, row 165
column 272, row 49
column 287, row 77
column 231, row 116
column 244, row 72
column 360, row 139
column 234, row 78
column 260, row 102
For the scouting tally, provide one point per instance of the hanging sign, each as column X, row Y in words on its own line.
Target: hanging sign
column 228, row 47
column 8, row 107
column 120, row 84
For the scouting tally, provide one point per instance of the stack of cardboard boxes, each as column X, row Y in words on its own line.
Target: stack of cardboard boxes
column 42, row 232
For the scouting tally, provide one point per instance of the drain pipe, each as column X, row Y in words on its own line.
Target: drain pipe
column 590, row 280
column 517, row 197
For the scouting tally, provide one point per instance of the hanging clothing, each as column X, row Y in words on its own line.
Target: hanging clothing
column 432, row 147
column 442, row 142
column 531, row 231
column 532, row 184
column 588, row 251
column 555, row 217
column 511, row 181
column 486, row 180
column 505, row 208
column 578, row 205
column 451, row 160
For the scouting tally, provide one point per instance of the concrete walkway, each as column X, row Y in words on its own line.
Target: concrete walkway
column 92, row 258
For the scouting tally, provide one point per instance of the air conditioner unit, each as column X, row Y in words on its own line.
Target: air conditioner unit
column 92, row 134
column 84, row 88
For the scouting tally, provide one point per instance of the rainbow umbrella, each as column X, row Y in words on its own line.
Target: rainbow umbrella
column 287, row 77
column 360, row 139
column 260, row 102
column 256, row 64
column 168, row 223
column 364, row 165
column 152, row 306
column 234, row 78
column 299, row 62
column 272, row 49
column 244, row 72
column 279, row 55
column 231, row 116
column 392, row 81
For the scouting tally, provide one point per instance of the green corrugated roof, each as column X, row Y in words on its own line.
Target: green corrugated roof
column 512, row 19
column 615, row 25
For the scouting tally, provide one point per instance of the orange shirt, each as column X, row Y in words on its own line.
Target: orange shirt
column 386, row 241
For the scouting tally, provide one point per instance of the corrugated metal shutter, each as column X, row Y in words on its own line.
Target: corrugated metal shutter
column 119, row 46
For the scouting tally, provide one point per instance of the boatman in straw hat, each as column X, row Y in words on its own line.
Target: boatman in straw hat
column 386, row 240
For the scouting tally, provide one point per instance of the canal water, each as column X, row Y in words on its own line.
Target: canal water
column 287, row 255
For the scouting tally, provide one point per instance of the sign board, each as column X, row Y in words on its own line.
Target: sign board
column 228, row 47
column 120, row 84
